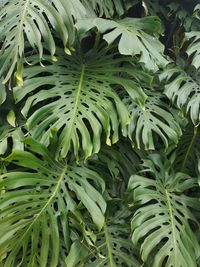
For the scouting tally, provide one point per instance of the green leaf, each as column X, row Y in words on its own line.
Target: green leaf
column 37, row 203
column 77, row 254
column 113, row 247
column 193, row 37
column 77, row 98
column 137, row 36
column 153, row 120
column 108, row 8
column 11, row 118
column 187, row 150
column 184, row 90
column 33, row 20
column 193, row 50
column 2, row 93
column 15, row 134
column 161, row 223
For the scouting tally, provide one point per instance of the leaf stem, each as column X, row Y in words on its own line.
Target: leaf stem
column 97, row 41
column 173, row 227
column 75, row 110
column 110, row 255
column 189, row 149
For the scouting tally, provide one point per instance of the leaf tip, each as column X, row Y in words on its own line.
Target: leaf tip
column 67, row 51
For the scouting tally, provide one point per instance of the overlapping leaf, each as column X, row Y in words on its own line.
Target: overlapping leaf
column 36, row 202
column 151, row 121
column 161, row 222
column 108, row 8
column 2, row 93
column 184, row 90
column 137, row 36
column 33, row 21
column 193, row 49
column 76, row 98
column 187, row 150
column 15, row 134
column 113, row 246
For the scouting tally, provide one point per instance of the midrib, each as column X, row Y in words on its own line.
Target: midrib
column 77, row 100
column 189, row 149
column 172, row 226
column 20, row 28
column 61, row 177
column 16, row 45
column 109, row 248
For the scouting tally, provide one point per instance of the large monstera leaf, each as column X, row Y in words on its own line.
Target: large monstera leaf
column 152, row 121
column 32, row 21
column 184, row 90
column 161, row 223
column 36, row 203
column 77, row 99
column 137, row 36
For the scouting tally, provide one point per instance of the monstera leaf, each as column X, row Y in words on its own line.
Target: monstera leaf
column 108, row 8
column 193, row 49
column 113, row 246
column 187, row 150
column 36, row 202
column 151, row 121
column 161, row 223
column 15, row 134
column 32, row 20
column 77, row 99
column 136, row 37
column 184, row 90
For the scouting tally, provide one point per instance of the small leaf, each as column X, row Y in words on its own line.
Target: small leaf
column 15, row 134
column 77, row 254
column 19, row 74
column 2, row 93
column 11, row 118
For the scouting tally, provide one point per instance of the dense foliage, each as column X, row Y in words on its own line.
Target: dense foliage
column 99, row 133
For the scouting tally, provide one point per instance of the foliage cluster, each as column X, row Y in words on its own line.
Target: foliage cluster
column 99, row 133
